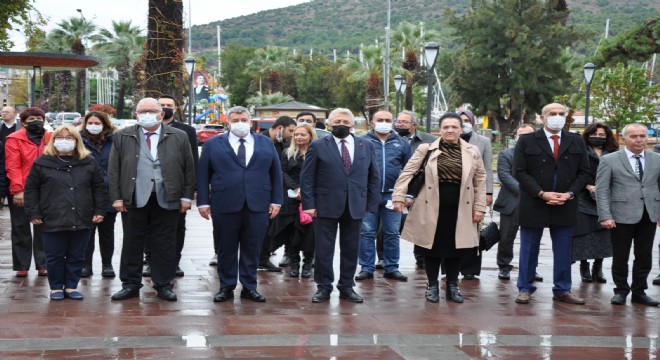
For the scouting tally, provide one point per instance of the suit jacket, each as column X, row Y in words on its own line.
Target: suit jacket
column 620, row 195
column 536, row 171
column 419, row 138
column 486, row 150
column 507, row 200
column 226, row 185
column 326, row 187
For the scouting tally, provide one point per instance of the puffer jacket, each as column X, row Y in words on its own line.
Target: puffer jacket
column 20, row 153
column 392, row 156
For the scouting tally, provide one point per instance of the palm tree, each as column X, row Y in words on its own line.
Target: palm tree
column 267, row 99
column 272, row 62
column 120, row 48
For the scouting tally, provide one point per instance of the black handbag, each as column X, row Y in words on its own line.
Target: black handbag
column 489, row 235
column 417, row 182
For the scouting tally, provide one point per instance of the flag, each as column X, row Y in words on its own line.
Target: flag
column 485, row 122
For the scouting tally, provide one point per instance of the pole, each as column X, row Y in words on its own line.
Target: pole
column 386, row 73
column 429, row 99
column 397, row 103
column 586, row 107
column 191, row 114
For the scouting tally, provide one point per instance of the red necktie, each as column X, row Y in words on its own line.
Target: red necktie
column 555, row 151
column 149, row 139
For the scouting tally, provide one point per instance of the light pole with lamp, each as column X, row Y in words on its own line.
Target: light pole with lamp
column 589, row 70
column 190, row 67
column 398, row 80
column 431, row 50
column 403, row 94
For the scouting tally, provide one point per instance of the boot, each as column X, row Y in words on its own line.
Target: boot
column 584, row 272
column 432, row 293
column 86, row 271
column 308, row 264
column 597, row 272
column 452, row 292
column 294, row 271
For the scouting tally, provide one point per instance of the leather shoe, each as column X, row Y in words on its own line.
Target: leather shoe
column 166, row 293
column 73, row 295
column 108, row 271
column 351, row 296
column 569, row 298
column 126, row 293
column 523, row 297
column 322, row 295
column 644, row 300
column 618, row 299
column 147, row 271
column 179, row 272
column 306, row 270
column 538, row 278
column 363, row 275
column 395, row 275
column 86, row 272
column 269, row 266
column 504, row 275
column 469, row 277
column 285, row 261
column 252, row 295
column 224, row 295
column 656, row 281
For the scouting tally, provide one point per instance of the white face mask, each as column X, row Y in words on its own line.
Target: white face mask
column 467, row 128
column 555, row 123
column 240, row 129
column 300, row 123
column 64, row 145
column 147, row 120
column 94, row 129
column 383, row 127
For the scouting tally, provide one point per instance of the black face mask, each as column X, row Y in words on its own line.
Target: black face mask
column 466, row 137
column 35, row 127
column 403, row 132
column 597, row 141
column 168, row 113
column 341, row 131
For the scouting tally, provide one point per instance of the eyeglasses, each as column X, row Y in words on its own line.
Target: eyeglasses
column 140, row 112
column 65, row 138
column 403, row 122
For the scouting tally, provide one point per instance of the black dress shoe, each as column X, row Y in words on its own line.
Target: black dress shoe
column 306, row 270
column 504, row 275
column 395, row 275
column 286, row 260
column 322, row 295
column 656, row 281
column 166, row 293
column 351, row 296
column 538, row 278
column 585, row 273
column 452, row 293
column 108, row 271
column 224, row 295
column 86, row 272
column 147, row 271
column 469, row 277
column 269, row 266
column 644, row 300
column 126, row 293
column 363, row 275
column 295, row 269
column 618, row 299
column 179, row 272
column 252, row 295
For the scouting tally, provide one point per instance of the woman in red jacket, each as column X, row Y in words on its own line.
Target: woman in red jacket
column 21, row 149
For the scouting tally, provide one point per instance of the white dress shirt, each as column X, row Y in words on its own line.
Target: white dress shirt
column 548, row 134
column 235, row 142
column 153, row 139
column 631, row 158
column 350, row 144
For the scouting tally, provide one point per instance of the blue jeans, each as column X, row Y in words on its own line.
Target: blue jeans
column 65, row 257
column 390, row 221
column 562, row 243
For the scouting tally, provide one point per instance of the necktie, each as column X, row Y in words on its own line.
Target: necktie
column 555, row 150
column 241, row 152
column 345, row 157
column 149, row 139
column 638, row 166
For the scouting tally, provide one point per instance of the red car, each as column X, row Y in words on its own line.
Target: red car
column 208, row 131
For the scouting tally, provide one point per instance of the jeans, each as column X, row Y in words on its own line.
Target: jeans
column 530, row 242
column 65, row 256
column 390, row 221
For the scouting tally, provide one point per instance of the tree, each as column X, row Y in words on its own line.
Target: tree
column 271, row 63
column 268, row 99
column 57, row 85
column 637, row 44
column 19, row 12
column 234, row 77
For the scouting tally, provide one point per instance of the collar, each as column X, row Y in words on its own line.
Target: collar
column 548, row 133
column 349, row 139
column 233, row 139
column 12, row 124
column 630, row 154
column 157, row 131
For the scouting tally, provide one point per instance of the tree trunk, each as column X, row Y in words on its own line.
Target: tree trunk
column 77, row 48
column 374, row 95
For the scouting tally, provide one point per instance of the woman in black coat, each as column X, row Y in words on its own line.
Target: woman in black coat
column 65, row 196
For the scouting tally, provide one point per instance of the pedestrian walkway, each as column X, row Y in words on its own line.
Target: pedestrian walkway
column 395, row 322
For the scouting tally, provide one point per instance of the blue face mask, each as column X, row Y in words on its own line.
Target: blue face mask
column 147, row 120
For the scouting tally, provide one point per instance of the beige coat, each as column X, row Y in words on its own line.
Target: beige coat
column 422, row 219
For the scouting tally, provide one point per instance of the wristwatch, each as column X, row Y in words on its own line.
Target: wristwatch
column 570, row 193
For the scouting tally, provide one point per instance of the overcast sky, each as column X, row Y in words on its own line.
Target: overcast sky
column 102, row 12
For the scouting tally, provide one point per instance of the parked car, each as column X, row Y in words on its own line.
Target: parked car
column 122, row 123
column 261, row 124
column 208, row 131
column 69, row 118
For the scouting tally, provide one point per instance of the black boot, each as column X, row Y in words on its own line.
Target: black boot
column 584, row 272
column 432, row 293
column 308, row 264
column 597, row 272
column 294, row 271
column 452, row 293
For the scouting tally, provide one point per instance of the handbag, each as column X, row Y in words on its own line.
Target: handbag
column 489, row 235
column 305, row 218
column 417, row 182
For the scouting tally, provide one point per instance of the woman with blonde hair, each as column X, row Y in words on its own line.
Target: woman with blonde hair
column 65, row 196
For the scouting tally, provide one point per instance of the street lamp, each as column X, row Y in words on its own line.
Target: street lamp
column 190, row 67
column 589, row 70
column 403, row 94
column 398, row 80
column 431, row 50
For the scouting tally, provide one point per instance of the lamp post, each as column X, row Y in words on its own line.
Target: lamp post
column 431, row 50
column 398, row 80
column 403, row 94
column 190, row 67
column 589, row 70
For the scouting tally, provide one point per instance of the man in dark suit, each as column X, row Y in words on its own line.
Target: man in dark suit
column 627, row 199
column 551, row 167
column 339, row 185
column 240, row 186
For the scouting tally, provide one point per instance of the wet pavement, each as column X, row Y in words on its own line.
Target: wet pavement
column 394, row 322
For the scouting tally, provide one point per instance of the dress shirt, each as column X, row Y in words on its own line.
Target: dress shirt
column 234, row 141
column 552, row 142
column 154, row 140
column 350, row 144
column 9, row 126
column 631, row 158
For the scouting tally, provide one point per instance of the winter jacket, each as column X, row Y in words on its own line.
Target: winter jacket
column 102, row 157
column 20, row 153
column 392, row 156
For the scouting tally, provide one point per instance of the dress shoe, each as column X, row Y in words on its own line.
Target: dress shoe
column 322, row 295
column 432, row 293
column 147, row 271
column 569, row 298
column 295, row 269
column 538, row 278
column 380, row 265
column 395, row 275
column 269, row 266
column 523, row 297
column 597, row 274
column 469, row 277
column 179, row 272
column 504, row 275
column 22, row 273
column 214, row 260
column 452, row 293
column 108, row 271
column 363, row 275
column 57, row 295
column 285, row 261
column 306, row 270
column 585, row 273
column 644, row 300
column 42, row 272
column 618, row 299
column 166, row 293
column 656, row 281
column 252, row 295
column 351, row 296
column 126, row 293
column 86, row 272
column 224, row 295
column 73, row 295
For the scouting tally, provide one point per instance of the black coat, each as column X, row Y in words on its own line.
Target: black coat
column 65, row 196
column 536, row 171
column 192, row 138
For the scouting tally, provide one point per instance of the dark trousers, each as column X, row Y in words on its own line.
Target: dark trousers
column 240, row 236
column 65, row 256
column 266, row 243
column 24, row 242
column 508, row 232
column 325, row 232
column 562, row 247
column 432, row 266
column 154, row 227
column 180, row 238
column 106, row 231
column 623, row 236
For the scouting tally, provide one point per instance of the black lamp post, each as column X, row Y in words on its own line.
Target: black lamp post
column 403, row 94
column 589, row 70
column 190, row 67
column 398, row 80
column 431, row 50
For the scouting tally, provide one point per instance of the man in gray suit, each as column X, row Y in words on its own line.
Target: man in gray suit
column 626, row 197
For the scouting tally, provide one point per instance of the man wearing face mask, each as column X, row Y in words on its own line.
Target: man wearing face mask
column 551, row 167
column 392, row 154
column 152, row 181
